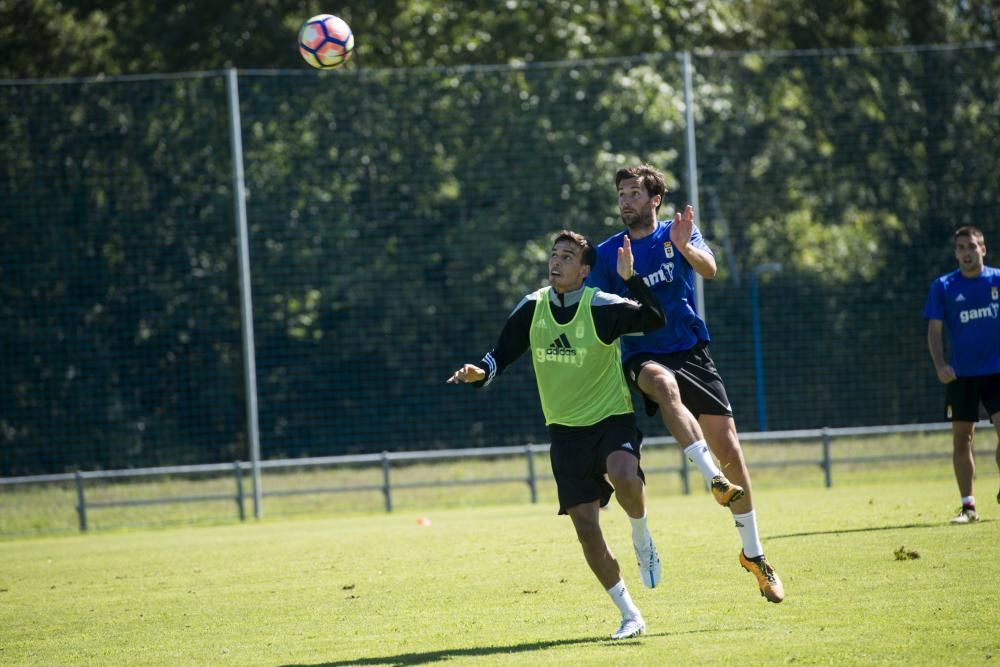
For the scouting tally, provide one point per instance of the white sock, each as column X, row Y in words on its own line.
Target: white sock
column 698, row 454
column 746, row 524
column 621, row 598
column 968, row 501
column 640, row 530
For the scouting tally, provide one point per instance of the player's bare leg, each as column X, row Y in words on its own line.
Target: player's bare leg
column 630, row 491
column 720, row 432
column 586, row 521
column 659, row 383
column 996, row 426
column 964, row 462
column 962, row 434
column 604, row 565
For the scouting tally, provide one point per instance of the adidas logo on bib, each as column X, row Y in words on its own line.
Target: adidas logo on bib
column 560, row 347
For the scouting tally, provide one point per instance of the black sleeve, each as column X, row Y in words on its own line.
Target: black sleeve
column 622, row 316
column 514, row 340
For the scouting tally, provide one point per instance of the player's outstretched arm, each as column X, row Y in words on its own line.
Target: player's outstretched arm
column 467, row 373
column 514, row 341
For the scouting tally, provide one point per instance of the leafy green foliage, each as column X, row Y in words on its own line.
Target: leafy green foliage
column 399, row 208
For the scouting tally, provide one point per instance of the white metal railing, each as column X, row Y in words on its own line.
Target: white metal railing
column 825, row 461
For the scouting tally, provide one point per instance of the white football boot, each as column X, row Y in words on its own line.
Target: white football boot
column 649, row 562
column 631, row 627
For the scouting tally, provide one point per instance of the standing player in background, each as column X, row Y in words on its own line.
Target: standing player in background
column 966, row 303
column 572, row 332
column 671, row 366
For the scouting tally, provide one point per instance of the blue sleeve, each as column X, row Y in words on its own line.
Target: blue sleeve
column 698, row 241
column 599, row 274
column 934, row 307
column 604, row 274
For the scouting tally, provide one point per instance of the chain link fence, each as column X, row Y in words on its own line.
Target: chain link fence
column 395, row 218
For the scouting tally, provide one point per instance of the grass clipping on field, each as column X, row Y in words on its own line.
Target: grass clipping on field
column 902, row 553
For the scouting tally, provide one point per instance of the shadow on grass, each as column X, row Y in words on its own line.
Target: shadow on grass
column 448, row 654
column 845, row 531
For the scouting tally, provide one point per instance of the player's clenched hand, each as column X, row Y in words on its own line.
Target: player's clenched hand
column 625, row 261
column 467, row 373
column 946, row 374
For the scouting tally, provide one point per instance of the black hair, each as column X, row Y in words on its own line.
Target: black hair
column 589, row 254
column 649, row 177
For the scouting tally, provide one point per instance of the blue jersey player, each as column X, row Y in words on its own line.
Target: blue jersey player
column 671, row 366
column 966, row 304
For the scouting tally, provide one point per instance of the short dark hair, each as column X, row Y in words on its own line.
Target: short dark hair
column 971, row 231
column 589, row 254
column 649, row 177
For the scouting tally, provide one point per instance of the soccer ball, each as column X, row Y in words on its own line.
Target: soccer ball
column 326, row 41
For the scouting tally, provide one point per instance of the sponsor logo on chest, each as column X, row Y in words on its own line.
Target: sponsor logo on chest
column 665, row 274
column 561, row 350
column 991, row 311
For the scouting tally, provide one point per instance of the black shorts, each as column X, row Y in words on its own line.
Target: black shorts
column 702, row 389
column 963, row 396
column 579, row 456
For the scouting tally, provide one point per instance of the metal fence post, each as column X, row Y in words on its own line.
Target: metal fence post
column 81, row 502
column 532, row 482
column 692, row 172
column 239, row 489
column 827, row 463
column 386, row 484
column 246, row 302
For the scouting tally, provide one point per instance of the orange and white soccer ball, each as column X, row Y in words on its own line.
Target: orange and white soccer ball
column 326, row 41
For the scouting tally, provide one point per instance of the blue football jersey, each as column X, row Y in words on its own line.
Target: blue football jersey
column 671, row 279
column 970, row 310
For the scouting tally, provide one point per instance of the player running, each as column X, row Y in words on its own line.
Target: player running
column 571, row 332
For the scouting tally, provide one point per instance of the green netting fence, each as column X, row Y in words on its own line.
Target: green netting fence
column 396, row 217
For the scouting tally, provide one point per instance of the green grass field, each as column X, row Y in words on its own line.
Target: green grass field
column 507, row 584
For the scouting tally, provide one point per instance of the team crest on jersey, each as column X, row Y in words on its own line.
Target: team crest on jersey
column 579, row 330
column 995, row 293
column 668, row 250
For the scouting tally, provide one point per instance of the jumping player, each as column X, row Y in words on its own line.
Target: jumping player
column 671, row 366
